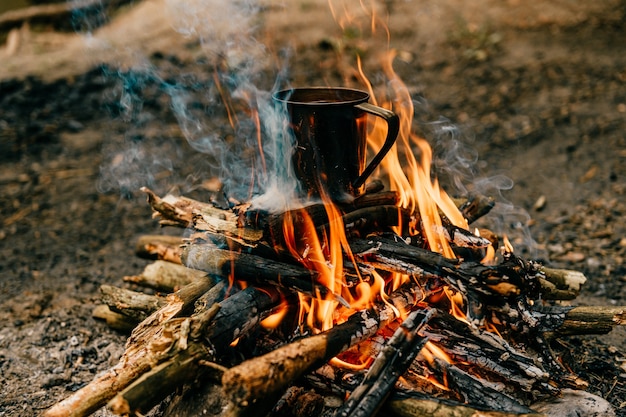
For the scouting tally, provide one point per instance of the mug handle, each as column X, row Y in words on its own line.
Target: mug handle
column 393, row 127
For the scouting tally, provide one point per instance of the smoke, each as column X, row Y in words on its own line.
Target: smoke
column 220, row 102
column 458, row 165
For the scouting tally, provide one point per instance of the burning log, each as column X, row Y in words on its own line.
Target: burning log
column 476, row 392
column 487, row 353
column 254, row 269
column 392, row 361
column 176, row 344
column 246, row 386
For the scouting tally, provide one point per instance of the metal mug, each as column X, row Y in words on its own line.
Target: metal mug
column 330, row 127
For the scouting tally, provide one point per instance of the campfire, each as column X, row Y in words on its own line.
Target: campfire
column 374, row 290
column 385, row 299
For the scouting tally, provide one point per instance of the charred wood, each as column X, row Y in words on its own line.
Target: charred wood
column 478, row 394
column 417, row 405
column 487, row 353
column 476, row 207
column 254, row 269
column 392, row 361
column 246, row 386
column 298, row 402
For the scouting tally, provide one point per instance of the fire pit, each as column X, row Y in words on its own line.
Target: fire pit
column 386, row 298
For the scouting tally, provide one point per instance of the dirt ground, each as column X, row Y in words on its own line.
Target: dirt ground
column 521, row 100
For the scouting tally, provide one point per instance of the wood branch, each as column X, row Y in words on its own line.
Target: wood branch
column 476, row 207
column 207, row 335
column 255, row 269
column 114, row 320
column 383, row 198
column 561, row 284
column 507, row 279
column 161, row 247
column 416, row 405
column 392, row 361
column 486, row 352
column 246, row 385
column 179, row 211
column 137, row 359
column 133, row 304
column 149, row 389
column 592, row 320
column 166, row 276
column 477, row 393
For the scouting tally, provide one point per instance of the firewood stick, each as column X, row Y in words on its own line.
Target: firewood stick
column 262, row 219
column 561, row 284
column 185, row 212
column 178, row 211
column 484, row 350
column 189, row 357
column 382, row 198
column 115, row 321
column 165, row 276
column 149, row 389
column 415, row 405
column 489, row 280
column 133, row 304
column 136, row 360
column 477, row 393
column 245, row 385
column 592, row 320
column 476, row 207
column 162, row 247
column 392, row 361
column 152, row 387
column 254, row 268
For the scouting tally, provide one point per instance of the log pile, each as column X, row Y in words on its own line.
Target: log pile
column 457, row 336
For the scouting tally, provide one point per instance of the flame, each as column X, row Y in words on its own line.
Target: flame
column 323, row 251
column 411, row 178
column 429, row 352
column 274, row 319
column 456, row 303
column 407, row 170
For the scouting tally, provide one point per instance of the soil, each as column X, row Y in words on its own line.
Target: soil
column 523, row 101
